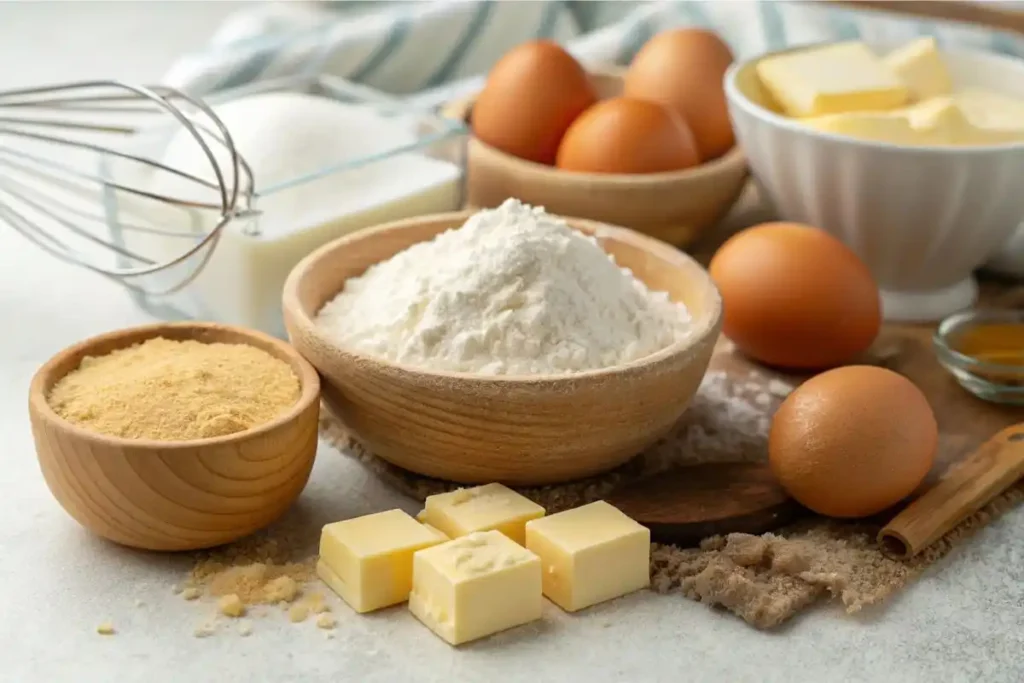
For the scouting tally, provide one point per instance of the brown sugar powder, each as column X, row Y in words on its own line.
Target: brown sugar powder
column 272, row 572
column 176, row 390
column 252, row 572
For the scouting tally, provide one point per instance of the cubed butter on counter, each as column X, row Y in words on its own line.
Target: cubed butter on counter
column 919, row 65
column 844, row 77
column 368, row 560
column 482, row 508
column 590, row 554
column 437, row 531
column 475, row 585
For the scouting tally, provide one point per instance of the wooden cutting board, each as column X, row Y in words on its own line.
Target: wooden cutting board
column 691, row 503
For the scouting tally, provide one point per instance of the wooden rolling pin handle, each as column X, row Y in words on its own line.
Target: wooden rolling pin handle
column 965, row 489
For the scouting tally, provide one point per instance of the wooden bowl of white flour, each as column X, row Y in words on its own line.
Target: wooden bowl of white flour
column 512, row 349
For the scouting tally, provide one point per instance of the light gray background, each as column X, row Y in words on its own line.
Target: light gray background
column 964, row 621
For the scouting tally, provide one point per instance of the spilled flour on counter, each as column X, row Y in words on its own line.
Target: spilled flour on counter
column 513, row 291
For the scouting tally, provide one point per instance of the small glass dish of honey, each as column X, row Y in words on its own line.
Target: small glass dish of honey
column 984, row 350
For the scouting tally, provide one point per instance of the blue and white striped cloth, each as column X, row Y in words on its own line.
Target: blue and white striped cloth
column 433, row 51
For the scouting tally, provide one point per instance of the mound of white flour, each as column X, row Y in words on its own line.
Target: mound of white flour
column 513, row 291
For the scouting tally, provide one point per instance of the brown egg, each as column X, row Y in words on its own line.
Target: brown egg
column 853, row 441
column 795, row 297
column 531, row 97
column 623, row 135
column 685, row 69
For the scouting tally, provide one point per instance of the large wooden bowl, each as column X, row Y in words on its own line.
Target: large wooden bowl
column 182, row 495
column 677, row 207
column 513, row 429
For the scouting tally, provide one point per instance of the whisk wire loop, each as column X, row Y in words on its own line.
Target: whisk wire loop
column 84, row 176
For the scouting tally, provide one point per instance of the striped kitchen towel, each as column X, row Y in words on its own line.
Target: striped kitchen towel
column 434, row 51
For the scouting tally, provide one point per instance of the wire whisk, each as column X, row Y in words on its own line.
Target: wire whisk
column 84, row 175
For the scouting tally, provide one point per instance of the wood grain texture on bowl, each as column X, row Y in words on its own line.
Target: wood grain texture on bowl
column 677, row 207
column 182, row 495
column 517, row 430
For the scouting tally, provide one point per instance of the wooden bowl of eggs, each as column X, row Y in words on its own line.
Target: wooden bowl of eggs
column 515, row 429
column 175, row 495
column 650, row 148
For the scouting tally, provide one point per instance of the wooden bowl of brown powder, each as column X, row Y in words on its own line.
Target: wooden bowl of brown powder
column 176, row 436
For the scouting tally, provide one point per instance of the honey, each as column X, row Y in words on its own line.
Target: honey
column 999, row 343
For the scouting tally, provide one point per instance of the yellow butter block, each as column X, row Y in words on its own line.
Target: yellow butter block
column 590, row 554
column 368, row 560
column 481, row 508
column 844, row 77
column 991, row 110
column 880, row 127
column 437, row 531
column 943, row 122
column 938, row 121
column 475, row 585
column 919, row 65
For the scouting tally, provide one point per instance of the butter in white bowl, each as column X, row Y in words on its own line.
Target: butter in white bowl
column 924, row 192
column 839, row 78
column 919, row 66
column 937, row 121
column 904, row 97
column 992, row 110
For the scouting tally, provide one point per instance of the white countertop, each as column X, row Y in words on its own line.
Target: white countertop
column 963, row 621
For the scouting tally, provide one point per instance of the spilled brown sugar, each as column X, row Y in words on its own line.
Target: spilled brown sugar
column 171, row 390
column 254, row 572
column 231, row 605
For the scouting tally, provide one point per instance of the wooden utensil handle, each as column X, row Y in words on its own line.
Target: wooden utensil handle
column 965, row 489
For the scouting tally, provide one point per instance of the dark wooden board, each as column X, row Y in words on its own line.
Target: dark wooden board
column 687, row 504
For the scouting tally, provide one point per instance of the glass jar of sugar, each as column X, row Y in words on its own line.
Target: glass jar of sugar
column 327, row 158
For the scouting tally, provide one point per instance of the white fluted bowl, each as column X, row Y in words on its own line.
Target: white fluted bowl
column 922, row 218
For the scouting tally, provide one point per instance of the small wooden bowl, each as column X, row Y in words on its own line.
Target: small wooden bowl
column 677, row 207
column 512, row 429
column 185, row 495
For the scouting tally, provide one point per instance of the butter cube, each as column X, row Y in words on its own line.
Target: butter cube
column 482, row 508
column 590, row 554
column 474, row 586
column 919, row 65
column 943, row 121
column 838, row 78
column 877, row 126
column 437, row 531
column 368, row 560
column 938, row 121
column 991, row 110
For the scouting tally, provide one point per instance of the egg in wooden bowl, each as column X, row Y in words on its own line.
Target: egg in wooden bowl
column 625, row 155
column 517, row 429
